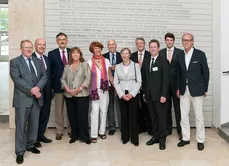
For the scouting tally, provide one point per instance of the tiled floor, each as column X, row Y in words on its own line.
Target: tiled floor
column 111, row 152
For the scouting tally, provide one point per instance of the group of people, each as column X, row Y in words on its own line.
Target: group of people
column 134, row 90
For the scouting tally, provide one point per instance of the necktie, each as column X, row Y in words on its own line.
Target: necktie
column 151, row 65
column 43, row 63
column 113, row 59
column 64, row 58
column 169, row 55
column 33, row 73
column 140, row 60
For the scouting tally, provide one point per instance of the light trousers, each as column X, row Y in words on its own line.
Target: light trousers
column 197, row 102
column 59, row 114
column 99, row 107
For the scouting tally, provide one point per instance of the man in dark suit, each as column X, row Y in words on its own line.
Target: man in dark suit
column 140, row 57
column 192, row 86
column 29, row 79
column 58, row 58
column 155, row 88
column 40, row 47
column 171, row 53
column 114, row 58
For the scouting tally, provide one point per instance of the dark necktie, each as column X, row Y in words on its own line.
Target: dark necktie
column 64, row 58
column 151, row 65
column 113, row 59
column 43, row 63
column 33, row 73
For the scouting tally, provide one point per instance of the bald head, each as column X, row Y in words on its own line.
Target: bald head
column 40, row 46
column 112, row 46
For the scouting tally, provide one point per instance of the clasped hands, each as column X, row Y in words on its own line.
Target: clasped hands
column 73, row 92
column 36, row 92
column 127, row 97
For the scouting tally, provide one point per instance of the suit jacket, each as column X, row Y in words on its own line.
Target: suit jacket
column 22, row 78
column 196, row 76
column 73, row 80
column 118, row 57
column 156, row 83
column 48, row 94
column 130, row 81
column 173, row 66
column 56, row 68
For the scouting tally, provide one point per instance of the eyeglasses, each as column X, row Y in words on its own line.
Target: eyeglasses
column 28, row 48
column 187, row 40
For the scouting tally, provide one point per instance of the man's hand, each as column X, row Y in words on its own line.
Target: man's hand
column 35, row 90
column 38, row 95
column 205, row 94
column 178, row 93
column 162, row 99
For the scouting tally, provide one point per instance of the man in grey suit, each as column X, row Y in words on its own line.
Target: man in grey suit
column 29, row 79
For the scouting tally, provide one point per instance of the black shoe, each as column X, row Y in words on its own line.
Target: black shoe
column 111, row 132
column 72, row 141
column 180, row 136
column 183, row 143
column 19, row 159
column 37, row 144
column 34, row 150
column 124, row 142
column 44, row 139
column 162, row 146
column 200, row 146
column 136, row 144
column 88, row 142
column 152, row 141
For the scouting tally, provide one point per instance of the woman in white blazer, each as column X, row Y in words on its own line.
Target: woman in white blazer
column 127, row 82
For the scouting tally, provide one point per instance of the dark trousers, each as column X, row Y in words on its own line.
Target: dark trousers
column 26, row 121
column 129, row 120
column 158, row 113
column 77, row 108
column 112, row 108
column 176, row 103
column 44, row 118
column 144, row 121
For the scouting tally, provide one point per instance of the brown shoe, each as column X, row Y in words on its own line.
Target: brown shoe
column 58, row 136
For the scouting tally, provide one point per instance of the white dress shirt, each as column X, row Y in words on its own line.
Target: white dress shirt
column 39, row 57
column 188, row 56
column 65, row 53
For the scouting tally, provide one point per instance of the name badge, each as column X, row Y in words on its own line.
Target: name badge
column 155, row 68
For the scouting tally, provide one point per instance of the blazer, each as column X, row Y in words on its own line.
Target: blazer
column 81, row 76
column 196, row 76
column 156, row 83
column 130, row 81
column 118, row 57
column 172, row 66
column 22, row 78
column 48, row 94
column 56, row 68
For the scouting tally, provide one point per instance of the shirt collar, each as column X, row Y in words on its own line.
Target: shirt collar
column 143, row 52
column 112, row 53
column 26, row 57
column 65, row 50
column 155, row 57
column 172, row 48
column 38, row 55
column 189, row 52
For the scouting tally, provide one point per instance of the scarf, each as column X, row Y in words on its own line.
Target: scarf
column 104, row 85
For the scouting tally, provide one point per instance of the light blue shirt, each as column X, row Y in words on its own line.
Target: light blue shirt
column 27, row 62
column 110, row 54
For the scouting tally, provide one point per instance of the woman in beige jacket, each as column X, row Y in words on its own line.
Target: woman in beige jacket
column 75, row 81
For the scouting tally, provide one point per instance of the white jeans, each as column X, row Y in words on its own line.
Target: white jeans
column 197, row 103
column 99, row 107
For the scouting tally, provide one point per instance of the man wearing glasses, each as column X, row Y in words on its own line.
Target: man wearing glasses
column 192, row 86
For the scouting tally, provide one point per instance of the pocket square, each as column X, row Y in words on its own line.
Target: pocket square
column 195, row 62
